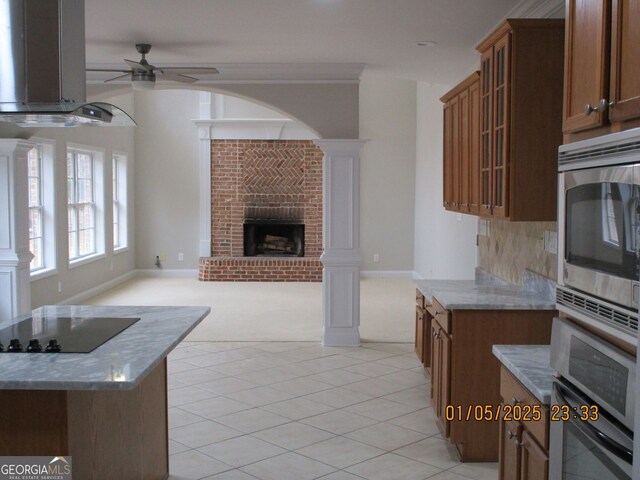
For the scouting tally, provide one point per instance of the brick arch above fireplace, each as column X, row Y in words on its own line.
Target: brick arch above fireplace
column 276, row 181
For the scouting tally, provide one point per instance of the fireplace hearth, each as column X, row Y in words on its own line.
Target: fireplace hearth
column 273, row 239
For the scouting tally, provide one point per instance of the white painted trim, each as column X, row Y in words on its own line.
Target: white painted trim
column 387, row 274
column 416, row 276
column 92, row 292
column 173, row 273
column 78, row 262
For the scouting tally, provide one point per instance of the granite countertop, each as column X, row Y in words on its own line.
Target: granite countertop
column 490, row 293
column 119, row 364
column 530, row 365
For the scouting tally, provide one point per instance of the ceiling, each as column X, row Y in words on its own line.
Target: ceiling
column 300, row 40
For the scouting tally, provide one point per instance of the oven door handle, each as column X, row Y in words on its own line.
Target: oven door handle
column 592, row 432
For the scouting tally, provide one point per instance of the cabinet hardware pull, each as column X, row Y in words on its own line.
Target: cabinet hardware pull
column 589, row 109
column 604, row 105
column 511, row 434
column 515, row 401
column 518, row 444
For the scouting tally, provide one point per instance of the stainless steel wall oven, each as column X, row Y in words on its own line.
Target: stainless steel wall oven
column 592, row 407
column 599, row 232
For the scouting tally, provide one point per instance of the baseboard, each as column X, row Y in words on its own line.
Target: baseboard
column 386, row 273
column 416, row 276
column 92, row 292
column 175, row 273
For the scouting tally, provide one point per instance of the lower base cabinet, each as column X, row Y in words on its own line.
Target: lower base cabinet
column 423, row 326
column 465, row 376
column 524, row 445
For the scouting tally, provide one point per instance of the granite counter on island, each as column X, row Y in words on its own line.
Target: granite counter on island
column 107, row 409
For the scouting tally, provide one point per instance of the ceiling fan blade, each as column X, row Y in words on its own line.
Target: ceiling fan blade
column 107, row 70
column 128, row 74
column 139, row 66
column 191, row 70
column 176, row 77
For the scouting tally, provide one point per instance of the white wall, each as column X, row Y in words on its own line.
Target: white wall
column 166, row 186
column 387, row 168
column 77, row 280
column 444, row 241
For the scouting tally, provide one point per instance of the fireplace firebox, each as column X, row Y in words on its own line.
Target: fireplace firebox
column 273, row 239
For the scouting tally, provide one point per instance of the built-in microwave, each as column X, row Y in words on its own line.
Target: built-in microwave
column 599, row 232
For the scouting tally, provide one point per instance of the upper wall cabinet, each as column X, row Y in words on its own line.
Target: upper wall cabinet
column 521, row 119
column 602, row 67
column 461, row 144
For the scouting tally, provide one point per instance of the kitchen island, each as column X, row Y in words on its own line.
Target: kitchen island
column 107, row 408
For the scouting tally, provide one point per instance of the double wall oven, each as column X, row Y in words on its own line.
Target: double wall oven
column 592, row 407
column 593, row 399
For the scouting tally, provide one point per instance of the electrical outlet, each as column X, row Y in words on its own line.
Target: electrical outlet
column 376, row 258
column 59, row 287
column 111, row 266
column 181, row 257
column 163, row 257
column 459, row 217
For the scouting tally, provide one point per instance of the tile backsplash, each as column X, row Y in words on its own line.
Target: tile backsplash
column 506, row 249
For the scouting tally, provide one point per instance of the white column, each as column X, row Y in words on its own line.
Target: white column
column 204, row 160
column 341, row 242
column 15, row 257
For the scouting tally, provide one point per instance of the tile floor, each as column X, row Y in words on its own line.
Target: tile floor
column 300, row 411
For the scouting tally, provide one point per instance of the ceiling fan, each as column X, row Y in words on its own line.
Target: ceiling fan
column 143, row 74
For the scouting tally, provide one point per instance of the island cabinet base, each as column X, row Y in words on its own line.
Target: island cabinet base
column 109, row 434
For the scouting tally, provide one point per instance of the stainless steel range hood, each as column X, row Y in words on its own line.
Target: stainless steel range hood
column 42, row 67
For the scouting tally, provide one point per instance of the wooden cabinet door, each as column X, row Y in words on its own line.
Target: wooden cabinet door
column 624, row 91
column 474, row 148
column 445, row 379
column 500, row 157
column 455, row 153
column 448, row 157
column 510, row 434
column 534, row 462
column 435, row 367
column 486, row 131
column 586, row 67
column 465, row 150
column 419, row 340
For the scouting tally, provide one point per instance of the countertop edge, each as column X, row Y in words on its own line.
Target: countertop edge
column 543, row 394
column 104, row 385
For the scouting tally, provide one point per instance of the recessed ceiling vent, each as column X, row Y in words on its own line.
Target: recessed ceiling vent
column 42, row 67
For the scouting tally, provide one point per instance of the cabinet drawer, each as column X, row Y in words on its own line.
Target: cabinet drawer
column 511, row 390
column 440, row 315
column 419, row 299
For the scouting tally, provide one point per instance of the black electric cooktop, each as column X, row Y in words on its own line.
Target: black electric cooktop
column 61, row 334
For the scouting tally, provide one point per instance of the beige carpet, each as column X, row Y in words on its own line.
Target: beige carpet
column 270, row 311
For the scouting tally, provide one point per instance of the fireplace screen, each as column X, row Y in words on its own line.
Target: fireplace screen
column 266, row 239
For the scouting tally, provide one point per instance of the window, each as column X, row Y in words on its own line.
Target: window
column 41, row 208
column 36, row 210
column 84, row 206
column 119, row 172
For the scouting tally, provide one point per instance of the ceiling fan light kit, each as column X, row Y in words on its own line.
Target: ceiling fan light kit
column 143, row 75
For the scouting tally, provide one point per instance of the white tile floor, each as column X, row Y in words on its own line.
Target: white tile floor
column 300, row 411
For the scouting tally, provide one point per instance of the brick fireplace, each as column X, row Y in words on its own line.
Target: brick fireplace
column 268, row 192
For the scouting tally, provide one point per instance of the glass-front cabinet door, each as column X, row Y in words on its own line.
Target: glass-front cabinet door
column 486, row 131
column 500, row 128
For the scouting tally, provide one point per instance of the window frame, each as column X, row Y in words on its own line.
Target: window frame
column 119, row 197
column 98, row 203
column 48, row 208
